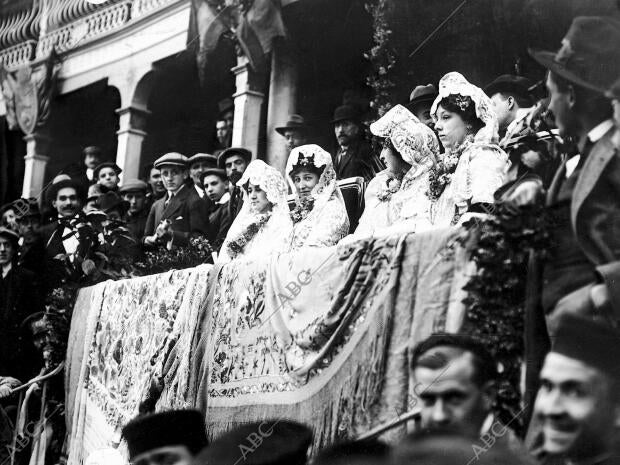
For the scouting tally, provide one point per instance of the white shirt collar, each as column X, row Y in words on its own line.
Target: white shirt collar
column 6, row 268
column 200, row 190
column 225, row 198
column 89, row 173
column 172, row 194
column 600, row 130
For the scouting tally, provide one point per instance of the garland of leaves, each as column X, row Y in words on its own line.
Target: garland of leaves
column 382, row 57
column 238, row 243
column 496, row 293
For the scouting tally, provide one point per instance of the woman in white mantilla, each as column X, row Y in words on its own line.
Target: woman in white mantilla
column 320, row 217
column 473, row 166
column 263, row 226
column 395, row 199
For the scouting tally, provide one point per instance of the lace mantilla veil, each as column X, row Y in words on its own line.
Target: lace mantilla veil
column 328, row 221
column 273, row 236
column 482, row 164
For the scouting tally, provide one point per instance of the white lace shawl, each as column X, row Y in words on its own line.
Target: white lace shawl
column 409, row 208
column 328, row 222
column 482, row 165
column 274, row 236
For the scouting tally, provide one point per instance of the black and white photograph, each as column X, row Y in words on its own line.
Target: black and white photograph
column 309, row 232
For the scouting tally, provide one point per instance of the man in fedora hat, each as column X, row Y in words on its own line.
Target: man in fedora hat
column 511, row 99
column 354, row 156
column 181, row 212
column 295, row 131
column 577, row 407
column 582, row 269
column 420, row 102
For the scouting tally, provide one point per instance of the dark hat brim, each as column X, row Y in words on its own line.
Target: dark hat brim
column 229, row 152
column 423, row 99
column 54, row 188
column 10, row 234
column 547, row 60
column 282, row 129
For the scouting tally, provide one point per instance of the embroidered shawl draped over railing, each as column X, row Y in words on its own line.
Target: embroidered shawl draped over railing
column 320, row 336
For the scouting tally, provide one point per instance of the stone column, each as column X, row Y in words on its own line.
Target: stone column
column 248, row 102
column 37, row 145
column 131, row 133
column 282, row 101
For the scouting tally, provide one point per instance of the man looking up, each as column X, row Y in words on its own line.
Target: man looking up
column 578, row 402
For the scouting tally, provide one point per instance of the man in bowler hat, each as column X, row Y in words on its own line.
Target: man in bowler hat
column 295, row 131
column 420, row 102
column 354, row 155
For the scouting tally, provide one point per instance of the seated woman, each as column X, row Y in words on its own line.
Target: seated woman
column 395, row 199
column 473, row 166
column 320, row 217
column 263, row 226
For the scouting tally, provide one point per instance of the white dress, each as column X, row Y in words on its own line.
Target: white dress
column 273, row 235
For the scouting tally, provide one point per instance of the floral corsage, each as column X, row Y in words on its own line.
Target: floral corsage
column 392, row 186
column 236, row 245
column 302, row 209
column 440, row 176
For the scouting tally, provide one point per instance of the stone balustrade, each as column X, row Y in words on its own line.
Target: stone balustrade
column 70, row 23
column 18, row 55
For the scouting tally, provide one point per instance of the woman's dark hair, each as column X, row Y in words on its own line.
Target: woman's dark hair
column 463, row 106
column 307, row 167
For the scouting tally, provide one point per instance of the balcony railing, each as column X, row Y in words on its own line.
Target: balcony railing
column 69, row 23
column 18, row 55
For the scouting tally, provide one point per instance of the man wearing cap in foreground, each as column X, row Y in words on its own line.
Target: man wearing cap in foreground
column 420, row 102
column 234, row 161
column 582, row 268
column 19, row 297
column 133, row 192
column 180, row 213
column 295, row 131
column 578, row 403
column 174, row 437
column 354, row 156
column 270, row 442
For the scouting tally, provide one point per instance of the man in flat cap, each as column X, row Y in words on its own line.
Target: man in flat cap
column 420, row 102
column 174, row 437
column 217, row 190
column 295, row 131
column 234, row 160
column 180, row 213
column 133, row 192
column 270, row 442
column 577, row 407
column 582, row 268
column 198, row 164
column 354, row 156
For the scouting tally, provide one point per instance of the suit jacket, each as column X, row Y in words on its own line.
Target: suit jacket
column 219, row 224
column 19, row 297
column 595, row 221
column 186, row 211
column 137, row 223
column 358, row 161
